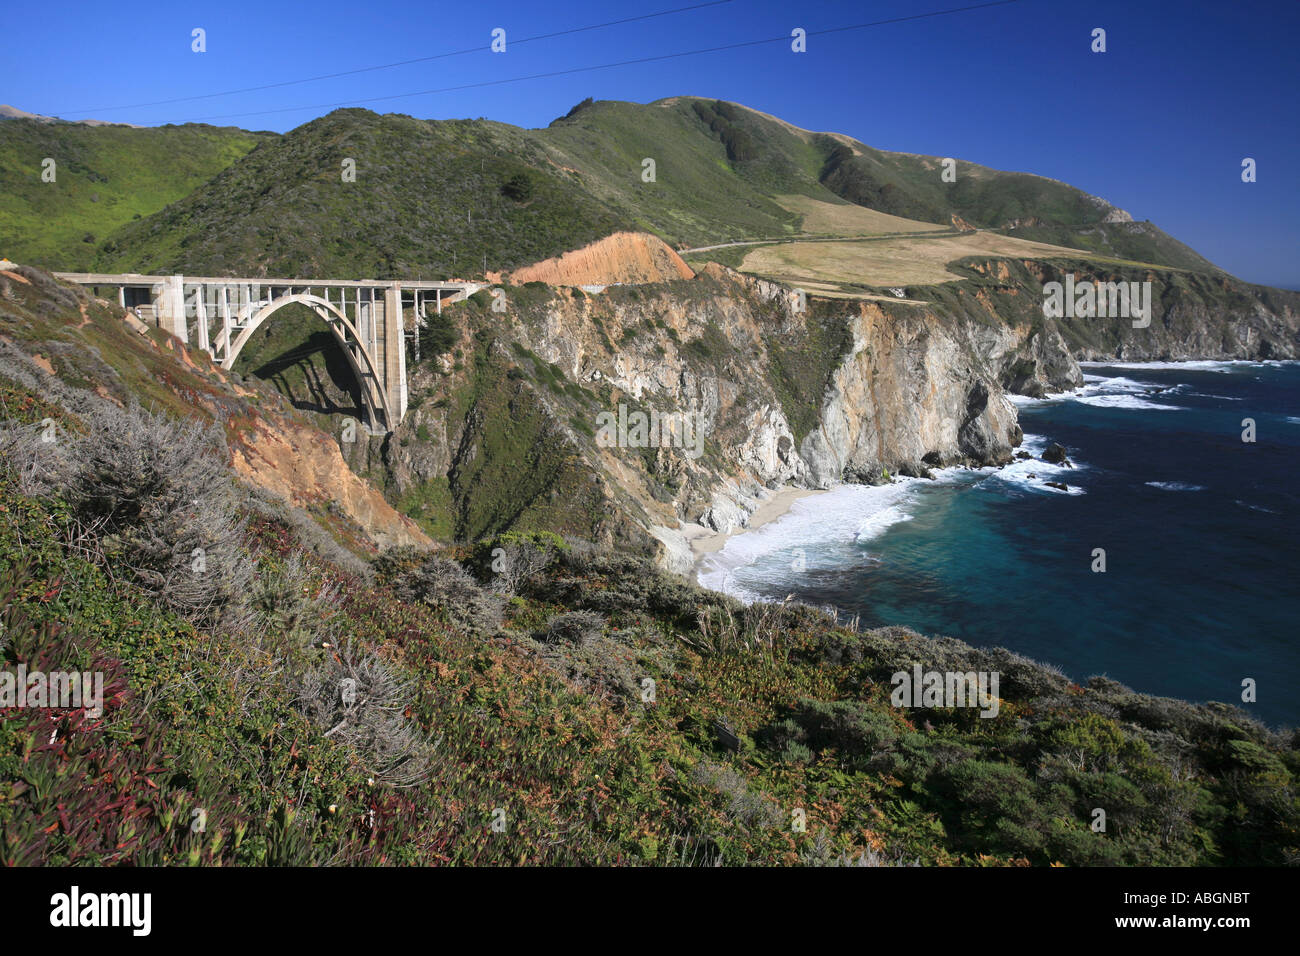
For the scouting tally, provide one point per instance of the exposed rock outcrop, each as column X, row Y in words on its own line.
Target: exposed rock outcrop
column 304, row 466
column 1055, row 454
column 839, row 391
column 622, row 257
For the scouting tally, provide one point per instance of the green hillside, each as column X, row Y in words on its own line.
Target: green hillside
column 105, row 176
column 456, row 197
column 704, row 190
column 429, row 199
column 719, row 165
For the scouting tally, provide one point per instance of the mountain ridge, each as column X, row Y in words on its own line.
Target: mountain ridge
column 446, row 196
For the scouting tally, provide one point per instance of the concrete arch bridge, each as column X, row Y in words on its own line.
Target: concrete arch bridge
column 370, row 318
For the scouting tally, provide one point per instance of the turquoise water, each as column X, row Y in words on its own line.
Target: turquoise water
column 1199, row 529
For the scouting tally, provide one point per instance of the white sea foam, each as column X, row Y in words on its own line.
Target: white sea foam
column 1124, row 401
column 1214, row 365
column 1117, row 383
column 1034, row 444
column 844, row 514
column 1250, row 507
column 855, row 514
column 1175, row 486
column 881, row 521
column 1110, row 391
column 1019, row 400
column 1033, row 474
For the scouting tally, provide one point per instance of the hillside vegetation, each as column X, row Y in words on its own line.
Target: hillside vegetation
column 104, row 177
column 521, row 698
column 461, row 197
column 429, row 199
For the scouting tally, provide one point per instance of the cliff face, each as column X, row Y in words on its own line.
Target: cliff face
column 914, row 390
column 510, row 417
column 837, row 391
column 505, row 427
column 1193, row 316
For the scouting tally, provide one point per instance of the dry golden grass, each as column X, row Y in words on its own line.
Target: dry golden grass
column 891, row 262
column 846, row 219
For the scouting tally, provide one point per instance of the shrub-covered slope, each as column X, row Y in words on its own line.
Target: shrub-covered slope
column 460, row 197
column 429, row 199
column 521, row 698
column 103, row 178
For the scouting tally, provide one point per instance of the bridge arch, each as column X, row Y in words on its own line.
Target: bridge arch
column 379, row 408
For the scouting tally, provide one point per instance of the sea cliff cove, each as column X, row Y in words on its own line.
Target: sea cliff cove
column 416, row 454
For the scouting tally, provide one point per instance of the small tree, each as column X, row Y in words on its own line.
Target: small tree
column 518, row 561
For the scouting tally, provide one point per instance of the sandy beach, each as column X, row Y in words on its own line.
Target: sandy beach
column 705, row 541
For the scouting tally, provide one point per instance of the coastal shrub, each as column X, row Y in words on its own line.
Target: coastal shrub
column 33, row 455
column 721, row 629
column 446, row 586
column 293, row 605
column 152, row 499
column 573, row 627
column 862, row 737
column 788, row 740
column 362, row 700
column 744, row 806
column 516, row 560
column 391, row 563
column 822, row 852
column 1023, row 679
column 610, row 665
column 597, row 579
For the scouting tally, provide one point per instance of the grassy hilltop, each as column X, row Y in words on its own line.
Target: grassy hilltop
column 443, row 198
column 105, row 177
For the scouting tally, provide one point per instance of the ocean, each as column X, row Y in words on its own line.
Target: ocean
column 1201, row 588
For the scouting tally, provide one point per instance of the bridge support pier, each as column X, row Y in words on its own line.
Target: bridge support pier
column 171, row 307
column 366, row 316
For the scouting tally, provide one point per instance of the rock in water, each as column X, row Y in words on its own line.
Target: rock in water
column 1055, row 455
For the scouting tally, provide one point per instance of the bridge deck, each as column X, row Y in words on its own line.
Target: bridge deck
column 372, row 324
column 135, row 278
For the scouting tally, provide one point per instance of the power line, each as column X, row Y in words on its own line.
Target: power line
column 388, row 66
column 608, row 66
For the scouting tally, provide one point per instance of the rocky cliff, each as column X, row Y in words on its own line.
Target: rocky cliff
column 784, row 392
column 505, row 427
column 532, row 418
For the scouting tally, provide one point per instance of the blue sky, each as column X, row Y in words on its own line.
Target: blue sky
column 1158, row 125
